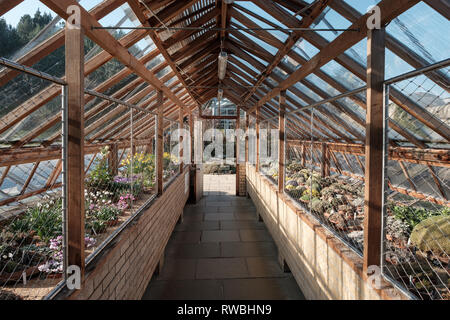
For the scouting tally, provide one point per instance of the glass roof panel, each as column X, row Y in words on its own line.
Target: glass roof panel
column 255, row 9
column 418, row 28
column 330, row 19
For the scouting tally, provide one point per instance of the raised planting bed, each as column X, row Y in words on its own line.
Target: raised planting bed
column 417, row 243
column 31, row 254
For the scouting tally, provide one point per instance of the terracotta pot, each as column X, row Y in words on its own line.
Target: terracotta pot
column 112, row 223
column 54, row 276
column 18, row 275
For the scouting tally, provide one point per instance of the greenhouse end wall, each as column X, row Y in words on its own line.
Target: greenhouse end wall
column 123, row 271
column 322, row 265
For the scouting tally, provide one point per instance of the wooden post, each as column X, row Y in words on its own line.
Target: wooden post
column 238, row 113
column 150, row 147
column 247, row 124
column 75, row 146
column 281, row 141
column 159, row 142
column 325, row 163
column 180, row 120
column 191, row 132
column 374, row 148
column 303, row 155
column 113, row 159
column 257, row 138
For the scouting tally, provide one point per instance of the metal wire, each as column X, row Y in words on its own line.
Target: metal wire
column 415, row 228
column 226, row 29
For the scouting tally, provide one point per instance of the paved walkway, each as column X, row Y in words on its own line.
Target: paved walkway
column 221, row 251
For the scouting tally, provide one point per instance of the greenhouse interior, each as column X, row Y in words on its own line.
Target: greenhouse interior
column 224, row 150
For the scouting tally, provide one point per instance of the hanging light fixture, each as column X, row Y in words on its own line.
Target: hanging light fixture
column 219, row 94
column 223, row 60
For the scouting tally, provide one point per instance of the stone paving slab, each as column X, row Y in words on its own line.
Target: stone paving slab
column 221, row 251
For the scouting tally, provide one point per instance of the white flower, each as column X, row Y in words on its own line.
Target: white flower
column 10, row 255
column 5, row 256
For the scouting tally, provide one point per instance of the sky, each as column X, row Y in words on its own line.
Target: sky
column 28, row 6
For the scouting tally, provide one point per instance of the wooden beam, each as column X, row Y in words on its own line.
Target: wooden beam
column 389, row 10
column 159, row 143
column 181, row 124
column 169, row 12
column 258, row 111
column 306, row 22
column 441, row 6
column 247, row 124
column 56, row 41
column 373, row 191
column 137, row 10
column 325, row 163
column 6, row 5
column 52, row 91
column 395, row 45
column 184, row 34
column 281, row 141
column 30, row 177
column 75, row 146
column 237, row 142
column 113, row 159
column 105, row 40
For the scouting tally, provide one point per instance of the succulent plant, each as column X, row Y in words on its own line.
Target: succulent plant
column 293, row 183
column 295, row 193
column 432, row 234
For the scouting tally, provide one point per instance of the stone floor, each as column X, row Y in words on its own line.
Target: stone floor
column 217, row 185
column 220, row 251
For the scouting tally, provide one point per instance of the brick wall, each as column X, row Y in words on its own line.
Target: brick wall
column 124, row 271
column 323, row 266
column 242, row 180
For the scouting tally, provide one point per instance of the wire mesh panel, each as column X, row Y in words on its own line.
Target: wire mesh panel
column 252, row 140
column 417, row 188
column 171, row 156
column 31, row 190
column 318, row 177
column 268, row 149
column 120, row 175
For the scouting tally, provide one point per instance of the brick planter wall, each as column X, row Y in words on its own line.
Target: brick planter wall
column 242, row 183
column 124, row 270
column 323, row 266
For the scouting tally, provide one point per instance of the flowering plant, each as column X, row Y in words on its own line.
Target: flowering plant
column 97, row 200
column 100, row 177
column 139, row 163
column 125, row 201
column 55, row 263
column 43, row 219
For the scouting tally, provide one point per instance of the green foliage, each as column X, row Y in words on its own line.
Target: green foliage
column 95, row 226
column 43, row 219
column 9, row 38
column 100, row 177
column 107, row 213
column 413, row 216
column 28, row 27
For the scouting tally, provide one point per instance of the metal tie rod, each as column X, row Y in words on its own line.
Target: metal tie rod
column 223, row 29
column 126, row 104
column 408, row 75
column 21, row 68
